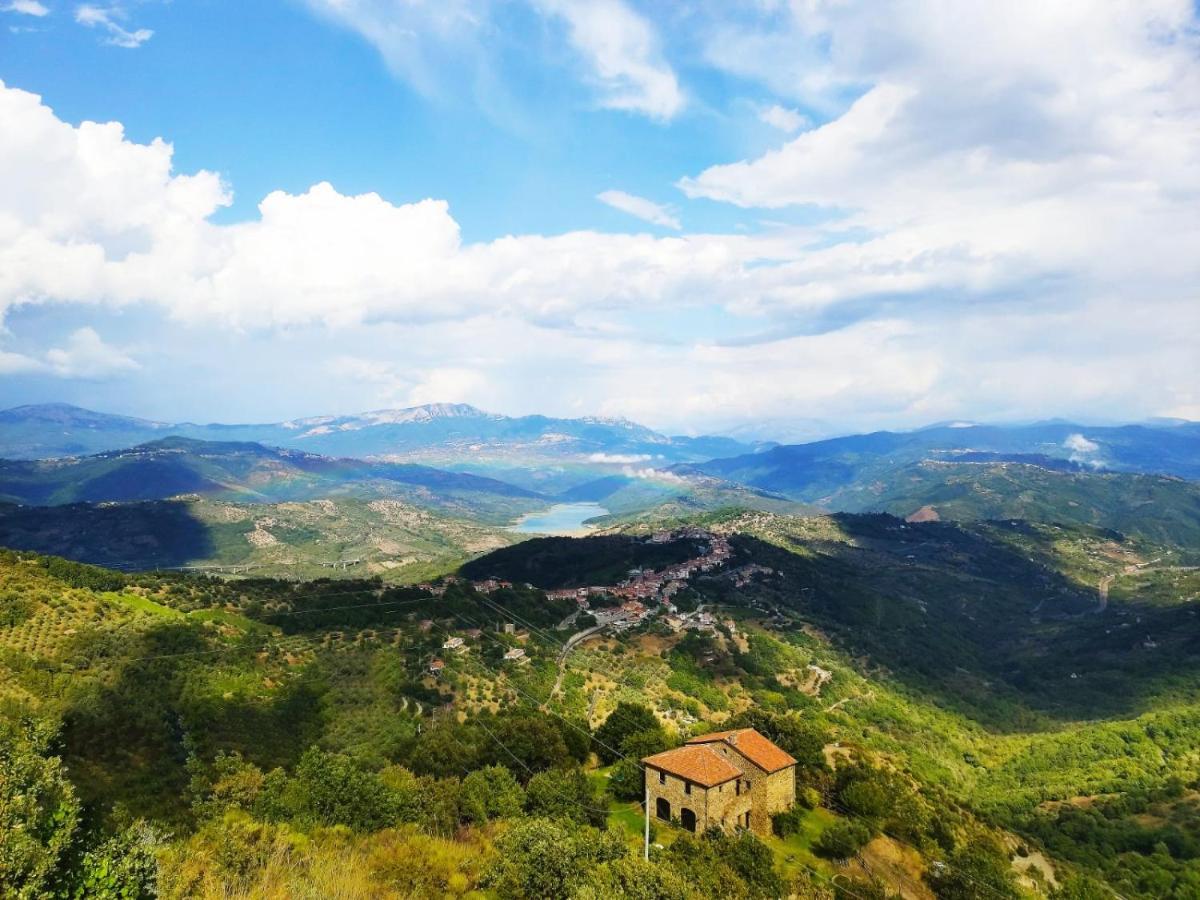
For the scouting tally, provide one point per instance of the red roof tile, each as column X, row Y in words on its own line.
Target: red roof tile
column 752, row 745
column 699, row 765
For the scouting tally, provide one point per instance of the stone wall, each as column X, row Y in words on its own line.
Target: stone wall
column 769, row 793
column 720, row 805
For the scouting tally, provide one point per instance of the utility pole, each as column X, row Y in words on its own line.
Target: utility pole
column 646, row 806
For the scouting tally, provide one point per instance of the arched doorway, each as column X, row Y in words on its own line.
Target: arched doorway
column 662, row 809
column 687, row 818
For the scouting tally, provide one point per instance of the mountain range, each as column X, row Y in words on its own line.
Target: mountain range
column 434, row 430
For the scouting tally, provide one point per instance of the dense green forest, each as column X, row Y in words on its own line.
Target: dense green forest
column 971, row 716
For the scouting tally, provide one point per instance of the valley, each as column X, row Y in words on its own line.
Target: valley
column 415, row 675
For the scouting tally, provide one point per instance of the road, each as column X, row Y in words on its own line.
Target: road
column 567, row 648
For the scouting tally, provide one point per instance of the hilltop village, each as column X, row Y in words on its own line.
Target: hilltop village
column 638, row 597
column 642, row 592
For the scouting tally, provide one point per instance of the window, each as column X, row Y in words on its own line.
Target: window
column 687, row 787
column 662, row 777
column 738, row 787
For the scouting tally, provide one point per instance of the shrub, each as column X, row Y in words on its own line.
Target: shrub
column 843, row 839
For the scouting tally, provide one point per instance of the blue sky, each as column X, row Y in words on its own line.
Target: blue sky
column 769, row 218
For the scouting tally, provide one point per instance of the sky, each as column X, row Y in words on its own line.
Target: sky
column 768, row 218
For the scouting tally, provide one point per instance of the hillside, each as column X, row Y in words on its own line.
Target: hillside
column 253, row 473
column 1157, row 508
column 816, row 472
column 310, row 539
column 959, row 698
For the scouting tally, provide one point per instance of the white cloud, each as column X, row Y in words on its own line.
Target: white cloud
column 783, row 118
column 431, row 42
column 418, row 38
column 1084, row 451
column 980, row 263
column 623, row 51
column 626, row 459
column 26, row 7
column 641, row 208
column 107, row 19
column 85, row 356
column 653, row 475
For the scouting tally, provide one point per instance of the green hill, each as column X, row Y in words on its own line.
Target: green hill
column 1157, row 508
column 967, row 706
column 331, row 538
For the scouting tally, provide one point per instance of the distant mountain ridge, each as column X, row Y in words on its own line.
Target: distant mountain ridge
column 55, row 430
column 815, row 472
column 250, row 472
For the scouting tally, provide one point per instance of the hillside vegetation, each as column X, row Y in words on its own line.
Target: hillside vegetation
column 332, row 538
column 971, row 720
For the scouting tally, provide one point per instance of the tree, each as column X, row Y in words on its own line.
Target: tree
column 625, row 720
column 1081, row 887
column 564, row 794
column 534, row 739
column 843, row 839
column 123, row 867
column 752, row 860
column 627, row 781
column 544, row 860
column 39, row 812
column 641, row 744
column 490, row 793
column 635, row 879
column 336, row 791
column 978, row 865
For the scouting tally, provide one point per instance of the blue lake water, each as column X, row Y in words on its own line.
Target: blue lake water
column 562, row 518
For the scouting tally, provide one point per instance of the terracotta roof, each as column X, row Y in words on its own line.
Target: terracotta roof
column 700, row 765
column 752, row 745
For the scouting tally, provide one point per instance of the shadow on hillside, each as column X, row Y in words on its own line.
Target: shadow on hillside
column 126, row 536
column 984, row 629
column 130, row 736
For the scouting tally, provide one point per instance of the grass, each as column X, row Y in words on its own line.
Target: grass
column 143, row 604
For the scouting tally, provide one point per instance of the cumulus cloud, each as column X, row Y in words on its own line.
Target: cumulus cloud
column 641, row 208
column 1084, row 451
column 983, row 252
column 783, row 118
column 85, row 356
column 27, row 7
column 1000, row 161
column 108, row 19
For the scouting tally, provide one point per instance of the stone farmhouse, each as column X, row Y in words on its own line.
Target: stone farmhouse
column 727, row 779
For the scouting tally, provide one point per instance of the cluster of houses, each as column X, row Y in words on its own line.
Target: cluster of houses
column 656, row 586
column 640, row 587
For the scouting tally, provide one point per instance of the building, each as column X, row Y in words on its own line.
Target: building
column 727, row 779
column 516, row 654
column 436, row 666
column 455, row 643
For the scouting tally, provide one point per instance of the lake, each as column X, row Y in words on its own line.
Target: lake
column 561, row 518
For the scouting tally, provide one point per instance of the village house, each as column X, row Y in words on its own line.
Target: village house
column 455, row 643
column 436, row 666
column 726, row 779
column 516, row 654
